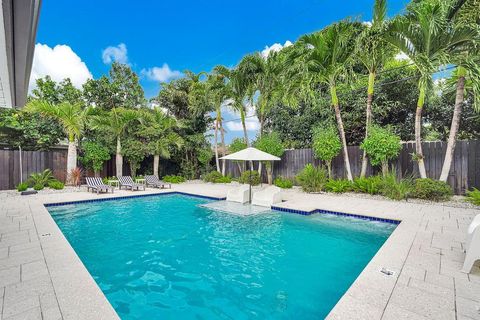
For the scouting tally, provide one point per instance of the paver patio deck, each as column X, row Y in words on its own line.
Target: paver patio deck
column 41, row 277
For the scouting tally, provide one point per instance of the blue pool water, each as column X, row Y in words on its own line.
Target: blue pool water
column 163, row 257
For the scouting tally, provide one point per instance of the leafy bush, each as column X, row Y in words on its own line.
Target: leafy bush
column 94, row 155
column 41, row 178
column 326, row 145
column 22, row 186
column 381, row 145
column 272, row 144
column 432, row 190
column 473, row 196
column 395, row 189
column 251, row 177
column 105, row 180
column 216, row 177
column 283, row 183
column 371, row 185
column 312, row 179
column 38, row 187
column 338, row 186
column 173, row 179
column 57, row 185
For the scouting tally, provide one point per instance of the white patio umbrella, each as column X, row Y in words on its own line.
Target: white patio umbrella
column 251, row 154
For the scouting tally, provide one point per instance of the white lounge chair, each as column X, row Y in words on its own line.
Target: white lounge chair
column 473, row 244
column 240, row 194
column 267, row 197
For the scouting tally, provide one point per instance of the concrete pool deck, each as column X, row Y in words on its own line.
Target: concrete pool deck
column 41, row 277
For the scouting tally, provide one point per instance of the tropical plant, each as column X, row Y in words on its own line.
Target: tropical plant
column 72, row 117
column 283, row 183
column 94, row 156
column 159, row 130
column 473, row 196
column 425, row 36
column 115, row 123
column 371, row 185
column 134, row 150
column 250, row 177
column 327, row 55
column 373, row 51
column 23, row 186
column 464, row 52
column 216, row 177
column 173, row 179
column 56, row 185
column 326, row 146
column 429, row 189
column 270, row 143
column 338, row 186
column 41, row 178
column 381, row 145
column 75, row 176
column 38, row 187
column 396, row 189
column 312, row 179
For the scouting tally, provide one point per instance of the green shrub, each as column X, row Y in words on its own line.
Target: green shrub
column 41, row 178
column 173, row 179
column 381, row 145
column 22, row 186
column 371, row 185
column 338, row 186
column 57, row 185
column 106, row 179
column 94, row 155
column 312, row 179
column 38, row 187
column 216, row 177
column 251, row 177
column 283, row 183
column 432, row 190
column 395, row 189
column 326, row 145
column 473, row 196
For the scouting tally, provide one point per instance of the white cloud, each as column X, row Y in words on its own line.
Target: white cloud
column 275, row 48
column 252, row 124
column 59, row 62
column 118, row 54
column 161, row 74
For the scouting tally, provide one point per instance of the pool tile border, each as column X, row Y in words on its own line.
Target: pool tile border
column 57, row 204
column 343, row 214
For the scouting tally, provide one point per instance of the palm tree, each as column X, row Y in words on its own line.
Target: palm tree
column 238, row 86
column 116, row 122
column 327, row 55
column 372, row 51
column 424, row 35
column 218, row 91
column 72, row 117
column 158, row 128
column 465, row 32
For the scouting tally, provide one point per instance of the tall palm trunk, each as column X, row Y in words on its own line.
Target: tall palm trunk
column 156, row 162
column 71, row 155
column 452, row 138
column 341, row 131
column 119, row 159
column 217, row 161
column 244, row 125
column 368, row 122
column 418, row 134
column 222, row 138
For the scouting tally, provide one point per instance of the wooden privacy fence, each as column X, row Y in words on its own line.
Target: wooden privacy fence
column 464, row 173
column 32, row 161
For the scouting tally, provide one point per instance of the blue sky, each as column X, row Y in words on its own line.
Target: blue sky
column 161, row 38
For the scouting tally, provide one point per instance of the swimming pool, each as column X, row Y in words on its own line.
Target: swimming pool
column 166, row 257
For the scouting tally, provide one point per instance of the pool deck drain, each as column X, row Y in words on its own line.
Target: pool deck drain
column 41, row 277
